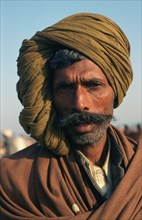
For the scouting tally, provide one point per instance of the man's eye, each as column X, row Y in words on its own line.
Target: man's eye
column 93, row 85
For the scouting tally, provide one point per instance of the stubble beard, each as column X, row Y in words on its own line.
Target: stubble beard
column 87, row 139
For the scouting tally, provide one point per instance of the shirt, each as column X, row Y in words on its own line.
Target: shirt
column 101, row 175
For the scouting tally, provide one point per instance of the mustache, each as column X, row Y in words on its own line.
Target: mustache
column 80, row 118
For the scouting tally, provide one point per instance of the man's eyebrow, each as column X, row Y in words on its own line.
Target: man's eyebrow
column 67, row 81
column 92, row 79
column 63, row 83
column 84, row 79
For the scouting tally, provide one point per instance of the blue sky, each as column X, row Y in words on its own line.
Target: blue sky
column 22, row 19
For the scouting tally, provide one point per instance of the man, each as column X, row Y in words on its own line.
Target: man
column 71, row 77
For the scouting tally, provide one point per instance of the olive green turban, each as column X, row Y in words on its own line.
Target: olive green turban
column 93, row 35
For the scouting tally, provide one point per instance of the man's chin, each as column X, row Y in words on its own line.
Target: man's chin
column 84, row 139
column 86, row 135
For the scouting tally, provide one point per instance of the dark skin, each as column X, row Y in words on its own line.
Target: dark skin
column 84, row 87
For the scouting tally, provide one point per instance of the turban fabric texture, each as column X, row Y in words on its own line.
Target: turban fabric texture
column 96, row 37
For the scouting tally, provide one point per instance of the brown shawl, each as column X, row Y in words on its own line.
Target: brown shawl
column 36, row 184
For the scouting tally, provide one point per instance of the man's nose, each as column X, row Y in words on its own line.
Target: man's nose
column 81, row 100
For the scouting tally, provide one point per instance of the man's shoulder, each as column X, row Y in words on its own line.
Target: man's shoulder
column 24, row 158
column 22, row 163
column 27, row 152
column 118, row 132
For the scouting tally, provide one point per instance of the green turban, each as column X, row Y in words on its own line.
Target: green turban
column 96, row 37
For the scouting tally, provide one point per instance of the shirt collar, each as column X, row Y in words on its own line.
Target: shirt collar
column 105, row 166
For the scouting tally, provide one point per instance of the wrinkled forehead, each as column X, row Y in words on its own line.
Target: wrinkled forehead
column 84, row 70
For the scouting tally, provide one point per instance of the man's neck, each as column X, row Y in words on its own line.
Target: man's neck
column 97, row 152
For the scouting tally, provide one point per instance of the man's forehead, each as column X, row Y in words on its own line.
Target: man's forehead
column 83, row 70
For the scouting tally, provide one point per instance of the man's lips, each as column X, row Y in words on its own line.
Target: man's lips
column 84, row 128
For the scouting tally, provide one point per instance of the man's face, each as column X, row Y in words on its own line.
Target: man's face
column 82, row 87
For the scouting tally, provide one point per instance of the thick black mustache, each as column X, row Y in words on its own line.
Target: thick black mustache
column 80, row 118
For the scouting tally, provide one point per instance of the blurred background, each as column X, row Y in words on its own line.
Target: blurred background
column 22, row 19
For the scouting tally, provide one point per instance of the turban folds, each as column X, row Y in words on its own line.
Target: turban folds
column 96, row 37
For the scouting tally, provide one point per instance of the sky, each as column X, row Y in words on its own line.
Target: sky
column 22, row 19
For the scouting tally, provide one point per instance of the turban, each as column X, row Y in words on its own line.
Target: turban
column 96, row 37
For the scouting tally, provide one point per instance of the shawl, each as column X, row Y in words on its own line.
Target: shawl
column 96, row 37
column 37, row 184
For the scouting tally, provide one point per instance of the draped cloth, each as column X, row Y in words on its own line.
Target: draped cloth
column 37, row 184
column 95, row 36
